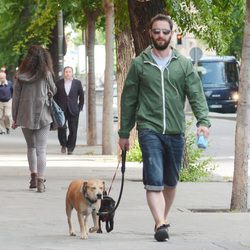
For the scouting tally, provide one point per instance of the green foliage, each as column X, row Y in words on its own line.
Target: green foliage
column 212, row 21
column 79, row 11
column 40, row 26
column 235, row 44
column 134, row 154
column 27, row 22
column 23, row 22
column 121, row 15
column 195, row 166
column 11, row 29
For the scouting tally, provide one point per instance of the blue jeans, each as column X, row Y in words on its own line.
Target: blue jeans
column 162, row 158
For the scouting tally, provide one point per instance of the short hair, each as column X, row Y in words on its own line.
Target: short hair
column 68, row 67
column 161, row 17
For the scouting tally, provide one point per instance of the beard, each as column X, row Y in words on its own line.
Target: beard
column 161, row 44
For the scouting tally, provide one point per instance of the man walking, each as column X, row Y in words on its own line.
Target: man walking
column 6, row 91
column 154, row 94
column 70, row 97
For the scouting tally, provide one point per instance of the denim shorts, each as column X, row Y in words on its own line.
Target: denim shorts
column 162, row 158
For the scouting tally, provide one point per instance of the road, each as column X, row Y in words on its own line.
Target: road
column 222, row 137
column 221, row 141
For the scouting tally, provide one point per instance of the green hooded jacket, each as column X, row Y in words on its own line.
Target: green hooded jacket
column 155, row 99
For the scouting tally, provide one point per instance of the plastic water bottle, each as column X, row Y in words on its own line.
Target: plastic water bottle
column 202, row 141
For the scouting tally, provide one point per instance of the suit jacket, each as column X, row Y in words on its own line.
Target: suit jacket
column 74, row 101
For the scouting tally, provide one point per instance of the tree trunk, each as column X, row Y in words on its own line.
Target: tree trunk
column 240, row 178
column 140, row 13
column 91, row 93
column 125, row 54
column 107, row 123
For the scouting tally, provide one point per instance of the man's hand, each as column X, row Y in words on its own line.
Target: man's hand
column 124, row 144
column 203, row 130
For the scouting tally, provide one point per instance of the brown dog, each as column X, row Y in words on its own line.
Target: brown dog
column 85, row 196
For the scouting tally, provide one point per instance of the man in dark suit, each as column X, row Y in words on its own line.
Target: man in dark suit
column 70, row 97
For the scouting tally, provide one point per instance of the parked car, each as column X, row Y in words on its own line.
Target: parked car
column 220, row 79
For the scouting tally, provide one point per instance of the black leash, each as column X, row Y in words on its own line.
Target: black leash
column 122, row 184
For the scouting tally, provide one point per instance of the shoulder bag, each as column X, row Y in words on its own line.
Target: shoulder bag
column 56, row 113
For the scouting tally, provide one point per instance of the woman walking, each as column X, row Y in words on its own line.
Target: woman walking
column 30, row 109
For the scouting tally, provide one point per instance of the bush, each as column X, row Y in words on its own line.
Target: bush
column 195, row 166
column 134, row 154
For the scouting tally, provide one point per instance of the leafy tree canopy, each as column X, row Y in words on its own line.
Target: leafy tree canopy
column 27, row 22
column 218, row 22
column 22, row 23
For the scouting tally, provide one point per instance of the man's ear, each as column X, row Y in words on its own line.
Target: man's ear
column 150, row 34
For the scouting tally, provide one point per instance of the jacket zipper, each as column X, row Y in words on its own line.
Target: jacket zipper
column 163, row 100
column 163, row 94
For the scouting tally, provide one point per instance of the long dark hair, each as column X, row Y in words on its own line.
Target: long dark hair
column 37, row 62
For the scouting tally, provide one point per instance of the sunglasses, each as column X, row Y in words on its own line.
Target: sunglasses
column 158, row 31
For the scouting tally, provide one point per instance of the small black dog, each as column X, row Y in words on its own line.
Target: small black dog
column 106, row 213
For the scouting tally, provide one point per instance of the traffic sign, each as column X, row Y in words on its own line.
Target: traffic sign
column 196, row 54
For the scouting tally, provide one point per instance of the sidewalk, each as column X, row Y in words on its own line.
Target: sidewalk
column 30, row 220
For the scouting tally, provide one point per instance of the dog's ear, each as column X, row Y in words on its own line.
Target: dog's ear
column 84, row 187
